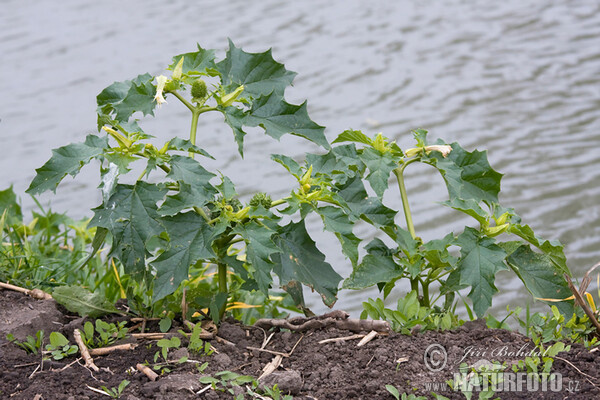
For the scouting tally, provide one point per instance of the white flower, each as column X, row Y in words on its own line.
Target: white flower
column 442, row 148
column 160, row 86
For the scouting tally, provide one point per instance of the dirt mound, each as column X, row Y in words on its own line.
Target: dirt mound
column 308, row 369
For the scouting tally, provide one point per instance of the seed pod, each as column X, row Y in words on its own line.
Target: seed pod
column 262, row 199
column 199, row 90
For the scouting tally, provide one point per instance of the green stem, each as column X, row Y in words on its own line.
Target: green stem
column 222, row 272
column 183, row 100
column 195, row 115
column 278, row 202
column 425, row 301
column 399, row 172
column 201, row 212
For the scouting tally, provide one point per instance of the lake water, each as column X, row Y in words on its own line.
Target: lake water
column 518, row 77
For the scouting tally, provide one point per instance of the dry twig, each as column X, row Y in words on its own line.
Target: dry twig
column 147, row 371
column 370, row 336
column 35, row 293
column 338, row 319
column 342, row 339
column 107, row 350
column 89, row 361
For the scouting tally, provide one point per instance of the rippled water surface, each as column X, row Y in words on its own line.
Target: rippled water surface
column 518, row 77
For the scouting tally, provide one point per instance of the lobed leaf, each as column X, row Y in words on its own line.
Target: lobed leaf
column 299, row 260
column 479, row 262
column 65, row 160
column 541, row 276
column 201, row 62
column 350, row 135
column 190, row 239
column 132, row 218
column 123, row 99
column 380, row 166
column 372, row 270
column 258, row 72
column 469, row 178
column 371, row 209
column 259, row 248
column 336, row 221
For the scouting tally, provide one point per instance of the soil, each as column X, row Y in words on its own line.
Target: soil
column 335, row 370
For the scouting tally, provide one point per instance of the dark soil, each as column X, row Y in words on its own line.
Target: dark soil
column 313, row 371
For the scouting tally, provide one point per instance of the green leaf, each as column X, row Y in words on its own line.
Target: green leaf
column 436, row 252
column 259, row 248
column 97, row 242
column 541, row 276
column 420, row 136
column 288, row 163
column 190, row 240
column 301, row 261
column 188, row 196
column 340, row 163
column 372, row 270
column 190, row 171
column 380, row 165
column 185, row 145
column 200, row 62
column 552, row 248
column 468, row 175
column 277, row 117
column 131, row 216
column 9, row 204
column 235, row 118
column 78, row 300
column 57, row 340
column 258, row 72
column 362, row 206
column 339, row 223
column 350, row 135
column 122, row 99
column 65, row 160
column 226, row 188
column 480, row 260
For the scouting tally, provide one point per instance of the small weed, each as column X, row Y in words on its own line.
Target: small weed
column 104, row 333
column 31, row 344
column 59, row 346
column 116, row 393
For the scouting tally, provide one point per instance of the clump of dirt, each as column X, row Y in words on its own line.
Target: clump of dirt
column 418, row 364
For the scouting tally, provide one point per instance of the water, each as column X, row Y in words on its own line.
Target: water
column 519, row 77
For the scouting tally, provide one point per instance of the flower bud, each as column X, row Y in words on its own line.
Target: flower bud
column 306, row 177
column 160, row 86
column 379, row 143
column 228, row 99
column 178, row 69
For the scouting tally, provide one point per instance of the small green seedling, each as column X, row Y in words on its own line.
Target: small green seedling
column 59, row 346
column 104, row 333
column 31, row 344
column 116, row 393
column 165, row 345
column 196, row 344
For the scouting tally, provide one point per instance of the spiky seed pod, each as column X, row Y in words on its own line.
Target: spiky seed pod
column 199, row 90
column 261, row 199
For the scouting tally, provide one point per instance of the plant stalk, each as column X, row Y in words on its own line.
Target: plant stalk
column 222, row 272
column 195, row 115
column 399, row 172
